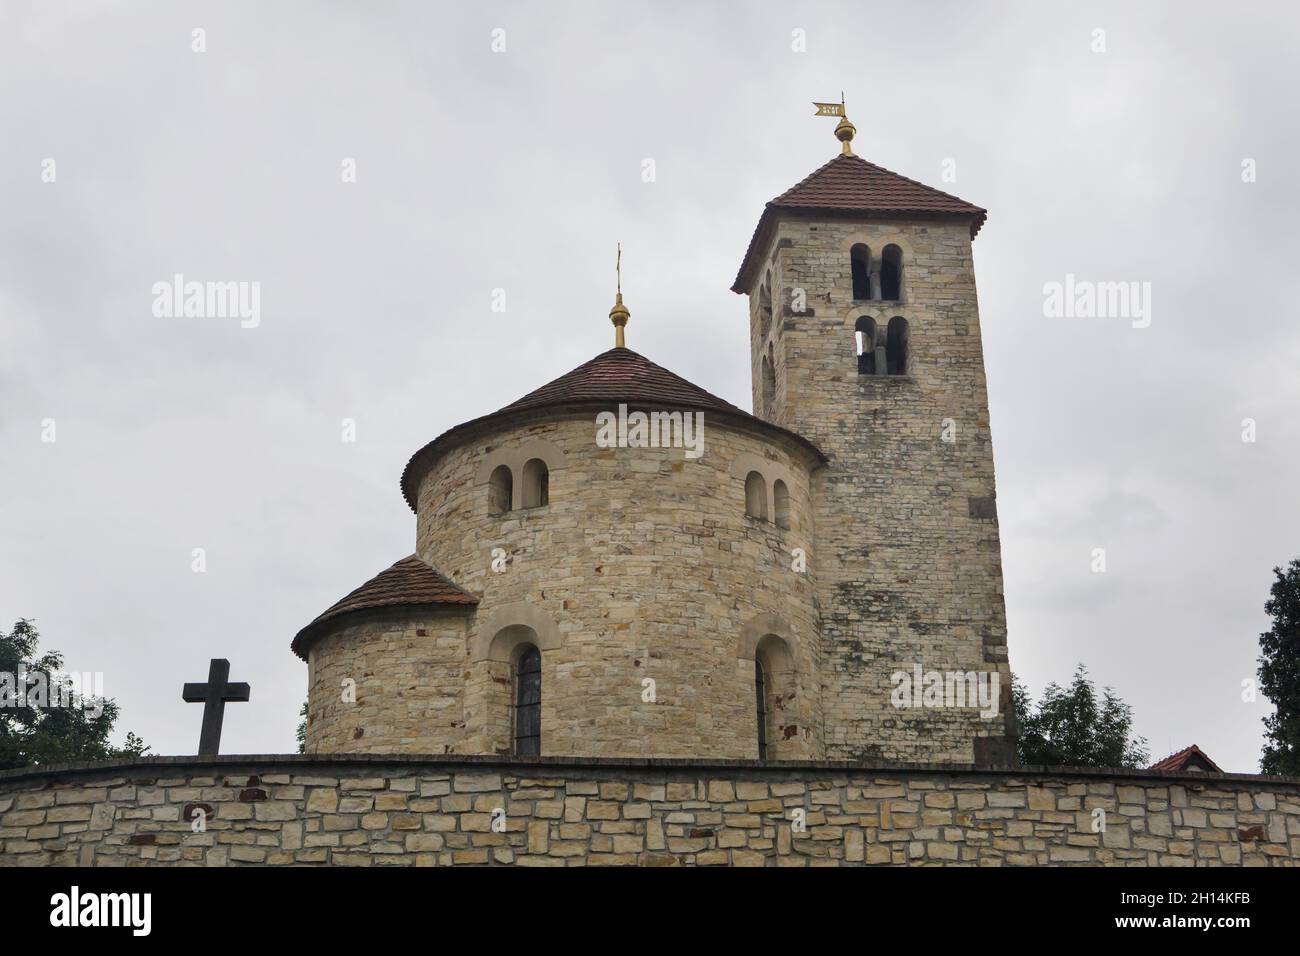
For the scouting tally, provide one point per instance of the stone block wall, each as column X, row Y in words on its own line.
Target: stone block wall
column 407, row 691
column 452, row 811
column 908, row 560
column 643, row 565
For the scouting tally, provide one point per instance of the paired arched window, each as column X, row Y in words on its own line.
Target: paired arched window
column 534, row 486
column 765, row 308
column 882, row 355
column 755, row 496
column 501, row 489
column 876, row 279
column 528, row 702
column 896, row 346
column 537, row 484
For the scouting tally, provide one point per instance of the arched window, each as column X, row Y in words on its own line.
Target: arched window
column 501, row 488
column 891, row 273
column 528, row 702
column 781, row 503
column 860, row 267
column 865, row 331
column 755, row 496
column 896, row 346
column 769, row 384
column 537, row 484
column 765, row 308
column 776, row 698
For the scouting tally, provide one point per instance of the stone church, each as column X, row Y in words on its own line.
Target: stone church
column 753, row 600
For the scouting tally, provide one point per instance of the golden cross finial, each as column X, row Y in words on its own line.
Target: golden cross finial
column 619, row 314
column 845, row 130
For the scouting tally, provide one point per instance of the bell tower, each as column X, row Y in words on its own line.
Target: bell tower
column 865, row 339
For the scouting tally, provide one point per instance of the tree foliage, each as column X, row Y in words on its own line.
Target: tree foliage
column 1279, row 674
column 34, row 729
column 1071, row 728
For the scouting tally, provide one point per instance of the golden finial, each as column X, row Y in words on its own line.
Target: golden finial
column 619, row 314
column 845, row 130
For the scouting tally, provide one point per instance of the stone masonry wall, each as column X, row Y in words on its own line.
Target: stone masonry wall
column 646, row 566
column 430, row 811
column 407, row 667
column 908, row 561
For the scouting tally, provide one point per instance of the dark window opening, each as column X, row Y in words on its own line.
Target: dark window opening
column 896, row 346
column 760, row 695
column 891, row 273
column 860, row 266
column 528, row 703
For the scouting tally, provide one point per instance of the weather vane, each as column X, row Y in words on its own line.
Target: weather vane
column 845, row 130
column 619, row 314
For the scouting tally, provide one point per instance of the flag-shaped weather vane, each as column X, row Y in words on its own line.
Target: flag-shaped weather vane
column 845, row 130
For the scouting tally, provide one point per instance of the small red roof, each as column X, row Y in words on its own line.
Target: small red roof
column 849, row 185
column 1193, row 758
column 408, row 583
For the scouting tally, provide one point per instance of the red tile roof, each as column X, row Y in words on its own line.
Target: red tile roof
column 849, row 185
column 619, row 375
column 408, row 583
column 1180, row 760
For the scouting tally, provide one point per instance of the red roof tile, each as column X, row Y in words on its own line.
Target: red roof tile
column 619, row 375
column 1183, row 758
column 408, row 583
column 849, row 185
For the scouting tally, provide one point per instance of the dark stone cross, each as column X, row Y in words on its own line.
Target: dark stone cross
column 214, row 695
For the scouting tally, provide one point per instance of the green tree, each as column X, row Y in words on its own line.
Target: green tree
column 33, row 728
column 1070, row 728
column 302, row 728
column 1279, row 674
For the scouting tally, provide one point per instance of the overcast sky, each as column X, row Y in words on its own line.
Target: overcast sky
column 519, row 170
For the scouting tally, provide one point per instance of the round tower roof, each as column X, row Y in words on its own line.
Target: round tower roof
column 408, row 583
column 617, row 376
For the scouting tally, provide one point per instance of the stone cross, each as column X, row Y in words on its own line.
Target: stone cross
column 214, row 695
